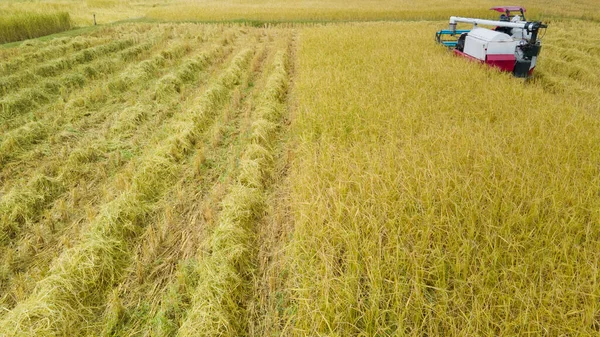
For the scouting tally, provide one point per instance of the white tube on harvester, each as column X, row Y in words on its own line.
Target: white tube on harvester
column 455, row 19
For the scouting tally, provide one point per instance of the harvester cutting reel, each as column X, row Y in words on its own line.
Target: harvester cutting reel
column 512, row 46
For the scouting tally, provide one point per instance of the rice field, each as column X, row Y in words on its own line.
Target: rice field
column 259, row 11
column 297, row 179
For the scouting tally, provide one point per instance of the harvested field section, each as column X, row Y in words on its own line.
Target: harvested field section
column 99, row 146
column 45, row 76
column 77, row 71
column 55, row 49
column 420, row 210
column 226, row 271
column 92, row 205
column 155, row 297
column 109, row 81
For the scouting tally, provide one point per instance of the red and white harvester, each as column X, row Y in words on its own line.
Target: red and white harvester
column 513, row 45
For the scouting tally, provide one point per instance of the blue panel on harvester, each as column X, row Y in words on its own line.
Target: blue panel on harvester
column 449, row 43
column 449, row 32
column 448, row 37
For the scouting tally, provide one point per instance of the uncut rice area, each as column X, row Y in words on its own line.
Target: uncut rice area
column 428, row 195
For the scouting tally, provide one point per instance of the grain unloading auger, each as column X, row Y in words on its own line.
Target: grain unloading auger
column 512, row 46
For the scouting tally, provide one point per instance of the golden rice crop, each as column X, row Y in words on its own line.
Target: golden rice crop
column 259, row 11
column 430, row 195
column 19, row 26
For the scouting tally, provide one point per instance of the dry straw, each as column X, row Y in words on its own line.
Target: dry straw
column 77, row 281
column 225, row 273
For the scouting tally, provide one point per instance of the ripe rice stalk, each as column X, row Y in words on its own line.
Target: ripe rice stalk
column 27, row 25
column 416, row 213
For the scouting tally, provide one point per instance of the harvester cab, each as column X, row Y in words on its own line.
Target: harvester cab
column 508, row 12
column 513, row 45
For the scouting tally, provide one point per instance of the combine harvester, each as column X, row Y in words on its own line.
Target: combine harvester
column 512, row 46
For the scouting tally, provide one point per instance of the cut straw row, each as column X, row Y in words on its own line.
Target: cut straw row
column 50, row 52
column 20, row 138
column 18, row 81
column 67, row 298
column 92, row 159
column 23, row 204
column 224, row 275
column 165, row 306
column 26, row 99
